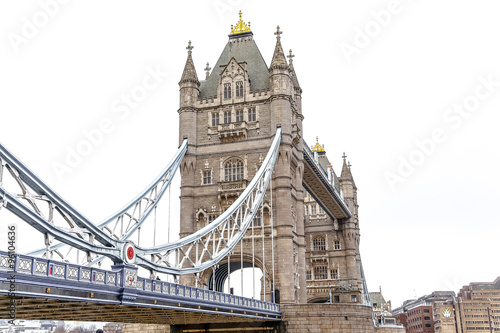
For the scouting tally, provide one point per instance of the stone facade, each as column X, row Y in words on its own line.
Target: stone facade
column 316, row 318
column 230, row 118
column 145, row 328
column 331, row 249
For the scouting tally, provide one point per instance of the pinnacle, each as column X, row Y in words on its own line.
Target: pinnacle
column 279, row 59
column 189, row 73
column 346, row 169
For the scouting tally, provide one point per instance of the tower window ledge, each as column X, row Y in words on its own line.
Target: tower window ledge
column 228, row 187
column 232, row 130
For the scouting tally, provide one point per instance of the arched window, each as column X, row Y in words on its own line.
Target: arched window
column 233, row 170
column 257, row 220
column 319, row 244
column 239, row 89
column 227, row 90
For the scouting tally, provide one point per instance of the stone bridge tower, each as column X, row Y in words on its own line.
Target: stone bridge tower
column 230, row 119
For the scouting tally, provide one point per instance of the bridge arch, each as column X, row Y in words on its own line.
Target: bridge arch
column 223, row 271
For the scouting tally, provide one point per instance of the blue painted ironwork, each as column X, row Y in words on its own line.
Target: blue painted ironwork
column 33, row 271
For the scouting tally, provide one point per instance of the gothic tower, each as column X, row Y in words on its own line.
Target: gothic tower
column 230, row 120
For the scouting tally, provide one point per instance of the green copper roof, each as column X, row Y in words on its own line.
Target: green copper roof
column 243, row 49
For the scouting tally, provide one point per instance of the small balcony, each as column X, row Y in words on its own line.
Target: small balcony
column 232, row 131
column 229, row 191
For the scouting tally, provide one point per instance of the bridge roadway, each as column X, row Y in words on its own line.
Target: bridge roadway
column 315, row 180
column 52, row 290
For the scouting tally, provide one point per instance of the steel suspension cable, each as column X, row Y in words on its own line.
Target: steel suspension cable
column 272, row 240
column 253, row 259
column 264, row 261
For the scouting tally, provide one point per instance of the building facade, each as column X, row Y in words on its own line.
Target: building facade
column 327, row 275
column 443, row 313
column 420, row 315
column 382, row 309
column 478, row 307
column 230, row 119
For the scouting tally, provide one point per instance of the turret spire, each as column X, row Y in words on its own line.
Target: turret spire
column 207, row 69
column 189, row 73
column 189, row 48
column 346, row 169
column 295, row 82
column 279, row 59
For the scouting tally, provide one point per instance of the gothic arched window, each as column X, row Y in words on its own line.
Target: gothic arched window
column 233, row 170
column 227, row 90
column 239, row 89
column 319, row 244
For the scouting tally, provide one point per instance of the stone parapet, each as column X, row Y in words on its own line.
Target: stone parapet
column 335, row 318
column 145, row 328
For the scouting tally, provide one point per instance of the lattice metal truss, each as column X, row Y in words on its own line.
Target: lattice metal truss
column 209, row 245
column 39, row 206
column 35, row 203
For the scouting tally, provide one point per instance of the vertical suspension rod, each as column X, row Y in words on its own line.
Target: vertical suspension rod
column 272, row 240
column 263, row 261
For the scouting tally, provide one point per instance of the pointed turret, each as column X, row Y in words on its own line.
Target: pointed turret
column 351, row 226
column 296, row 86
column 189, row 94
column 346, row 170
column 348, row 186
column 295, row 82
column 189, row 73
column 279, row 59
column 189, row 83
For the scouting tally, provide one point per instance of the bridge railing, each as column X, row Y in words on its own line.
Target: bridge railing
column 27, row 265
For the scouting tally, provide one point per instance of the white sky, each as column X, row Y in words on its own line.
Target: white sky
column 435, row 229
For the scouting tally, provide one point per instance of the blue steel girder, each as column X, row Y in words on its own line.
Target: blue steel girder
column 37, row 280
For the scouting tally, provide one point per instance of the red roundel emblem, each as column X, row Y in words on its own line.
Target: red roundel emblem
column 130, row 253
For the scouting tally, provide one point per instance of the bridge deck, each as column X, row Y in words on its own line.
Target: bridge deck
column 316, row 183
column 47, row 290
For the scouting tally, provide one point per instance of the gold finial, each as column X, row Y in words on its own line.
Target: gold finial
column 318, row 147
column 240, row 27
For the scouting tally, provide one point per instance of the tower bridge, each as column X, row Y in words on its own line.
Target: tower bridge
column 252, row 194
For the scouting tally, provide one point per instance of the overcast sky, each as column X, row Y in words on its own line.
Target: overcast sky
column 408, row 89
